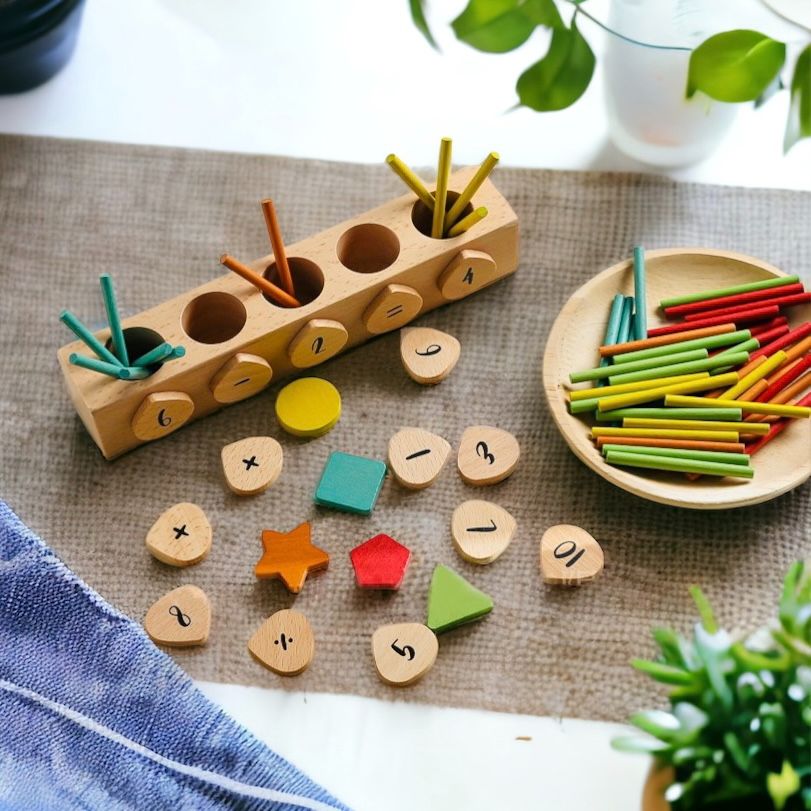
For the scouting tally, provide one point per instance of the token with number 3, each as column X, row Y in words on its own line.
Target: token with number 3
column 404, row 652
column 569, row 556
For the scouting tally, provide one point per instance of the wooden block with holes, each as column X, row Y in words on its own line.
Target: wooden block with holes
column 369, row 275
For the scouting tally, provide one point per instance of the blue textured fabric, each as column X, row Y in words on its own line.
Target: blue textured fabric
column 94, row 716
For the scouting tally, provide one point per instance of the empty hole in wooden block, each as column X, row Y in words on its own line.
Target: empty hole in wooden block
column 214, row 317
column 368, row 248
column 139, row 341
column 308, row 280
column 422, row 217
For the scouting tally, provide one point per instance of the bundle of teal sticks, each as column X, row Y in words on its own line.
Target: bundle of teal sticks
column 115, row 362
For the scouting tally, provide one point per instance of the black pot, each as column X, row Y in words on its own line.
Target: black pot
column 37, row 38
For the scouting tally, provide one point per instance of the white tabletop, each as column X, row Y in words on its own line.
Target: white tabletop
column 353, row 81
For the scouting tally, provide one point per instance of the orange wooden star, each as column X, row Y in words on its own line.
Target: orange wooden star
column 290, row 556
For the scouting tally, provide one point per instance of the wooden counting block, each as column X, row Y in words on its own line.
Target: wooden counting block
column 179, row 619
column 290, row 556
column 308, row 407
column 452, row 601
column 284, row 643
column 570, row 556
column 481, row 530
column 161, row 413
column 428, row 355
column 317, row 341
column 416, row 457
column 181, row 536
column 467, row 272
column 380, row 563
column 241, row 377
column 404, row 652
column 350, row 483
column 392, row 307
column 487, row 455
column 252, row 464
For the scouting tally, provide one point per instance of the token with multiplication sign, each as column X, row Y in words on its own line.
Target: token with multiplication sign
column 481, row 530
column 428, row 355
column 404, row 652
column 181, row 536
column 284, row 643
column 416, row 457
column 569, row 556
column 251, row 465
column 179, row 619
column 487, row 455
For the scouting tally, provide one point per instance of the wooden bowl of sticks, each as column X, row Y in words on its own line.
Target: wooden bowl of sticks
column 702, row 402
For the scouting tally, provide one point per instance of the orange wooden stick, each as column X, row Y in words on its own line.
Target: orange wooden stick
column 785, row 397
column 798, row 350
column 260, row 282
column 276, row 242
column 664, row 340
column 685, row 444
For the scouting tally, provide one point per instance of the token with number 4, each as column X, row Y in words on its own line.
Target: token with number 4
column 404, row 652
column 569, row 556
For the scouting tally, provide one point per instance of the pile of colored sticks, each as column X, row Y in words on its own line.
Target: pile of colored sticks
column 733, row 345
column 446, row 220
column 115, row 362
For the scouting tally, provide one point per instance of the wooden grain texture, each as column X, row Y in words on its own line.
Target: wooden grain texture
column 179, row 619
column 404, row 652
column 393, row 306
column 241, row 377
column 487, row 455
column 290, row 557
column 318, row 340
column 284, row 643
column 181, row 536
column 416, row 457
column 468, row 271
column 570, row 556
column 160, row 414
column 573, row 342
column 429, row 355
column 481, row 530
column 233, row 316
column 252, row 464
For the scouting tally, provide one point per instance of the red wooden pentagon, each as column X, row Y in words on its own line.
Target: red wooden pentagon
column 380, row 563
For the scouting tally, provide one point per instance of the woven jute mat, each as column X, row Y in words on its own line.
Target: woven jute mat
column 157, row 219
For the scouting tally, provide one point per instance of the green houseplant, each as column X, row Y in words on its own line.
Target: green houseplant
column 738, row 731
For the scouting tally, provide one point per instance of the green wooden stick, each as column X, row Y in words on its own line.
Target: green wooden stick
column 736, row 359
column 657, row 462
column 728, row 291
column 582, row 406
column 747, row 346
column 732, row 414
column 679, row 453
column 712, row 342
column 638, row 365
column 84, row 334
column 114, row 318
column 640, row 302
column 110, row 369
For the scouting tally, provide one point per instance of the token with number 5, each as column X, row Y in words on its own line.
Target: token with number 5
column 404, row 652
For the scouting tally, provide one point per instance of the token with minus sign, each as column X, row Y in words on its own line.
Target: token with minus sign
column 416, row 457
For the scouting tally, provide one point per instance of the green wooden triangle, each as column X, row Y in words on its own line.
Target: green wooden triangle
column 452, row 601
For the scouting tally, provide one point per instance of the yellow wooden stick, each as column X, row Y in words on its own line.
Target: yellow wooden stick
column 698, row 425
column 776, row 409
column 411, row 180
column 666, row 433
column 637, row 397
column 472, row 187
column 443, row 170
column 475, row 216
column 758, row 373
column 640, row 385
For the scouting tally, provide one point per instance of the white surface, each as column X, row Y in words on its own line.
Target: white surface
column 395, row 756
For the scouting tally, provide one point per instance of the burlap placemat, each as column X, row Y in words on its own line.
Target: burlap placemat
column 157, row 219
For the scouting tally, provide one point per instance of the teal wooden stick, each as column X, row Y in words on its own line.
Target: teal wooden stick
column 84, row 334
column 114, row 318
column 96, row 365
column 156, row 355
column 613, row 327
column 626, row 321
column 640, row 313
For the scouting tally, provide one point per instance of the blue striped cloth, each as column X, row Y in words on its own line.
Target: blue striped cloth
column 94, row 716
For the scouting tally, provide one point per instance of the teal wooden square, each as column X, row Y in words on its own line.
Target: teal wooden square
column 350, row 483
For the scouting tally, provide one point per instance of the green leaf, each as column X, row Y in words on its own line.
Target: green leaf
column 497, row 26
column 782, row 786
column 418, row 16
column 559, row 79
column 704, row 609
column 666, row 674
column 635, row 745
column 735, row 66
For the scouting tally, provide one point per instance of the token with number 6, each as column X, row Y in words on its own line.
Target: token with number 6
column 404, row 652
column 569, row 556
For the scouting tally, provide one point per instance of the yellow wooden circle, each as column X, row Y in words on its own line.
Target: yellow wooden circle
column 161, row 413
column 308, row 407
column 317, row 341
column 394, row 306
column 242, row 376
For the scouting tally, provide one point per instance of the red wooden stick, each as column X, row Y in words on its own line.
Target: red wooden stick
column 758, row 329
column 741, row 317
column 791, row 375
column 733, row 301
column 776, row 429
column 788, row 339
column 731, row 312
column 772, row 334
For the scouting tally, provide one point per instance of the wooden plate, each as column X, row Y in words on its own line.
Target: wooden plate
column 782, row 465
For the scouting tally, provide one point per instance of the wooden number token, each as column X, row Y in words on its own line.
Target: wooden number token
column 392, row 307
column 308, row 407
column 487, row 455
column 481, row 530
column 241, row 377
column 467, row 272
column 317, row 341
column 416, row 457
column 569, row 556
column 252, row 464
column 428, row 355
column 404, row 652
column 179, row 619
column 284, row 643
column 290, row 556
column 181, row 536
column 161, row 413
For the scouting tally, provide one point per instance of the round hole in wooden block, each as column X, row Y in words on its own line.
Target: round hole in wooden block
column 139, row 341
column 308, row 280
column 368, row 248
column 214, row 317
column 423, row 217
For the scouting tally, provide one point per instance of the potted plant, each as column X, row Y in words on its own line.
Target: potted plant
column 737, row 735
